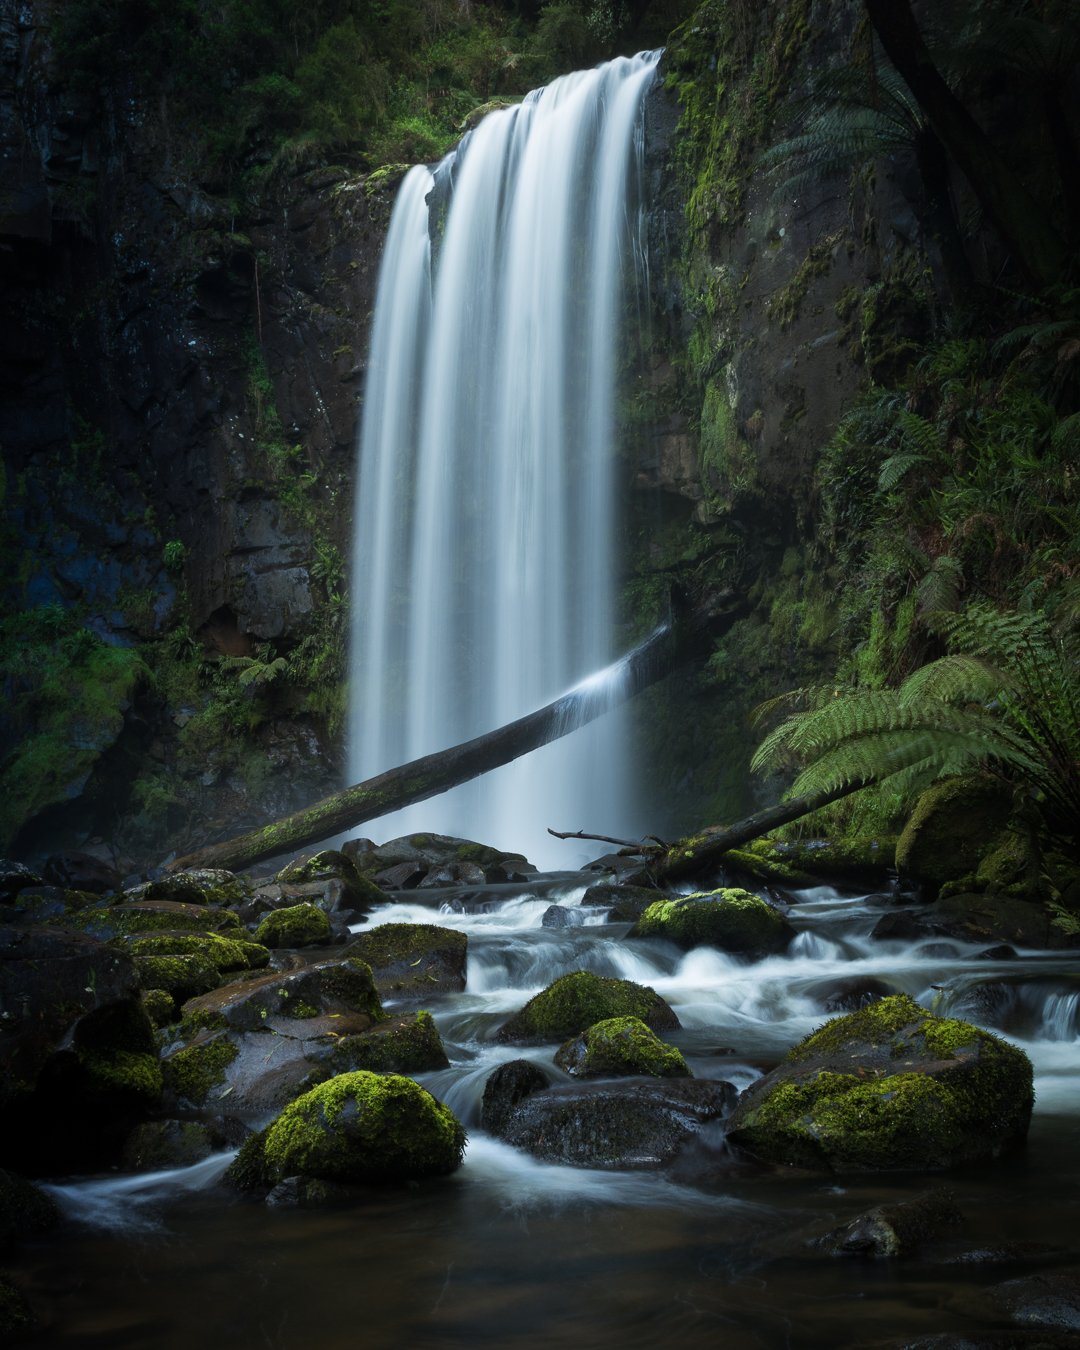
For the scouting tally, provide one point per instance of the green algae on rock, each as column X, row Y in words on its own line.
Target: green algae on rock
column 192, row 1073
column 732, row 919
column 295, row 926
column 889, row 1087
column 414, row 958
column 409, row 1044
column 620, row 1046
column 576, row 1001
column 364, row 1127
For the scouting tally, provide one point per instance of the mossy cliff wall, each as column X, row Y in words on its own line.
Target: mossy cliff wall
column 771, row 310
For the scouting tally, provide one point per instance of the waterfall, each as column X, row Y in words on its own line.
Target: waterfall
column 485, row 519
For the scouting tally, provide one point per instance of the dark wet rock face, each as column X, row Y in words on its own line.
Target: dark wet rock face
column 413, row 960
column 894, row 1230
column 634, row 1124
column 506, row 1087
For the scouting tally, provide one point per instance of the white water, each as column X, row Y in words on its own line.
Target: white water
column 485, row 518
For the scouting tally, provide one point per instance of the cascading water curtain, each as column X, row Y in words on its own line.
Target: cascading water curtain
column 485, row 515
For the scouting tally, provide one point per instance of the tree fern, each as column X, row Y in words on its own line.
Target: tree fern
column 1006, row 698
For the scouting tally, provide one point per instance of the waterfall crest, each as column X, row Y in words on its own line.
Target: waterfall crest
column 485, row 520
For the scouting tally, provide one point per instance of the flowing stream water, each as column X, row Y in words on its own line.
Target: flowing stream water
column 485, row 516
column 513, row 1252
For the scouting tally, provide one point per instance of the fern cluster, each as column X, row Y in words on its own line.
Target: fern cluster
column 1006, row 698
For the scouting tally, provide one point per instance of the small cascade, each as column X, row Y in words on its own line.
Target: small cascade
column 485, row 520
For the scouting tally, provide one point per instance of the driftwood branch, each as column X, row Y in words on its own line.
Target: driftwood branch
column 688, row 634
column 606, row 838
column 696, row 855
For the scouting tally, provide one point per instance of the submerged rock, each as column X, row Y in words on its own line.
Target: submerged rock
column 574, row 1002
column 358, row 1127
column 889, row 1087
column 632, row 1124
column 894, row 1230
column 618, row 1047
column 731, row 919
column 414, row 959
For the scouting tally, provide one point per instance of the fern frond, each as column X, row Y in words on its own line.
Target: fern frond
column 940, row 586
column 895, row 467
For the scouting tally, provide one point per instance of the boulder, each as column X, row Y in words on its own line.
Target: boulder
column 409, row 1044
column 358, row 1127
column 200, row 886
column 731, row 919
column 413, row 959
column 626, row 903
column 994, row 919
column 561, row 916
column 954, row 823
column 618, row 1047
column 634, row 1124
column 1049, row 1299
column 157, row 1145
column 75, row 1046
column 505, row 1087
column 151, row 916
column 81, row 872
column 894, row 1230
column 330, row 880
column 438, row 860
column 576, row 1001
column 889, row 1087
column 319, row 994
column 303, row 925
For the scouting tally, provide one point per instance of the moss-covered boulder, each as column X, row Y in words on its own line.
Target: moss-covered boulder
column 732, row 919
column 195, row 1074
column 889, row 1087
column 303, row 925
column 625, row 904
column 954, row 824
column 76, row 1045
column 49, row 904
column 201, row 886
column 617, row 1047
column 614, row 1125
column 337, row 995
column 152, row 916
column 183, row 976
column 224, row 953
column 408, row 1044
column 414, row 959
column 983, row 918
column 577, row 1001
column 357, row 1127
column 331, row 880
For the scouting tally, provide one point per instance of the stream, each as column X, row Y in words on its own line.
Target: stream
column 512, row 1252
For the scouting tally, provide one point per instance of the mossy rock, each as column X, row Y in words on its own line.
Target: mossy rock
column 409, row 1044
column 627, row 903
column 183, row 977
column 25, row 1210
column 201, row 886
column 193, row 1073
column 954, row 824
column 152, row 916
column 223, row 953
column 328, row 866
column 579, row 1000
column 617, row 1047
column 889, row 1087
column 419, row 959
column 156, row 1145
column 364, row 1127
column 980, row 917
column 160, row 1007
column 764, row 864
column 295, row 926
column 49, row 904
column 731, row 919
column 324, row 990
column 861, row 860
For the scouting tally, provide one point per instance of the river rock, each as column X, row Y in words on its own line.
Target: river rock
column 561, row 916
column 894, row 1230
column 731, row 919
column 407, row 1044
column 321, row 993
column 634, row 1124
column 156, row 1145
column 618, row 1047
column 331, row 880
column 358, row 1127
column 438, row 860
column 574, row 1002
column 1049, row 1299
column 414, row 960
column 198, row 886
column 152, row 916
column 81, row 872
column 996, row 919
column 303, row 925
column 889, row 1087
column 954, row 823
column 505, row 1087
column 78, row 1058
column 626, row 903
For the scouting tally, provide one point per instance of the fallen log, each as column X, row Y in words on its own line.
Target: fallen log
column 687, row 634
column 693, row 856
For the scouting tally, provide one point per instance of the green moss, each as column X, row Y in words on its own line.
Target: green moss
column 125, row 1072
column 731, row 918
column 578, row 1000
column 365, row 1127
column 223, row 953
column 407, row 1045
column 193, row 1073
column 617, row 1046
column 295, row 926
column 390, row 943
column 208, row 886
column 247, row 1171
column 728, row 463
column 786, row 303
column 183, row 977
column 160, row 1006
column 878, row 1023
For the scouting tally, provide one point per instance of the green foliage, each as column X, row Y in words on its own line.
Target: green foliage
column 66, row 692
column 1006, row 697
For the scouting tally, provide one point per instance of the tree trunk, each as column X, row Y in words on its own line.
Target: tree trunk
column 692, row 857
column 1021, row 220
column 687, row 634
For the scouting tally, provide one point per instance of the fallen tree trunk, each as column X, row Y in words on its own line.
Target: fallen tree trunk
column 691, row 857
column 687, row 634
